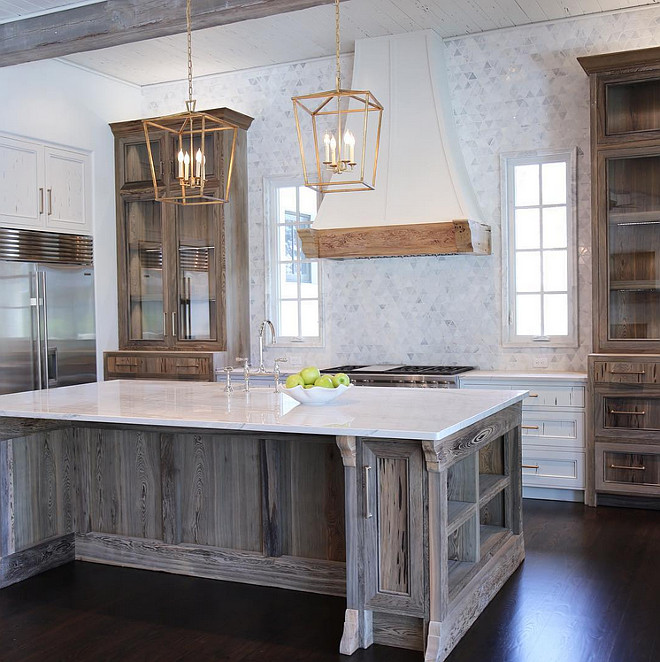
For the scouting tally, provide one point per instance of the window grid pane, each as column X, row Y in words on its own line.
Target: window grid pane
column 540, row 222
column 296, row 286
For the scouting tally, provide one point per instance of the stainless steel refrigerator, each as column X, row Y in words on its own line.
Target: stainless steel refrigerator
column 47, row 333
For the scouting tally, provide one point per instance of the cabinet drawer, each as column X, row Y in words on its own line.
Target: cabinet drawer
column 549, row 428
column 634, row 469
column 193, row 367
column 545, row 395
column 154, row 365
column 631, row 413
column 554, row 396
column 553, row 469
column 129, row 365
column 627, row 372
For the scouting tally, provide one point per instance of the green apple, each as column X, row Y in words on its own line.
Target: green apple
column 308, row 386
column 310, row 374
column 294, row 380
column 340, row 378
column 324, row 382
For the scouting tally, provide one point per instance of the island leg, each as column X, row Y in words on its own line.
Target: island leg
column 358, row 622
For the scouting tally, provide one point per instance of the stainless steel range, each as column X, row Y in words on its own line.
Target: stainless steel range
column 411, row 376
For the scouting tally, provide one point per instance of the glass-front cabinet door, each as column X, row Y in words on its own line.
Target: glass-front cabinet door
column 633, row 249
column 199, row 289
column 146, row 295
column 134, row 166
column 632, row 108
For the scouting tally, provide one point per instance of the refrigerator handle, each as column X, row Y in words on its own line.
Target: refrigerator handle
column 38, row 299
column 44, row 339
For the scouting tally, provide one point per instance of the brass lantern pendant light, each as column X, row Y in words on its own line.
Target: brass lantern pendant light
column 192, row 133
column 338, row 134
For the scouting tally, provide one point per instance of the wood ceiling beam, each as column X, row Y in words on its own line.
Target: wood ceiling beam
column 116, row 22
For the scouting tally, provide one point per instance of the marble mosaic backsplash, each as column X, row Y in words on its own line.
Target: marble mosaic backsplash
column 512, row 91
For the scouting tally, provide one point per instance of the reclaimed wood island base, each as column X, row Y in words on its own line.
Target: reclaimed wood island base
column 406, row 501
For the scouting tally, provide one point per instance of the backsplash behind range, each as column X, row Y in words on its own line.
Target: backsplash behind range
column 411, row 376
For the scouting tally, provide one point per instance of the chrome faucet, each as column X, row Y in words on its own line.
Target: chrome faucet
column 262, row 327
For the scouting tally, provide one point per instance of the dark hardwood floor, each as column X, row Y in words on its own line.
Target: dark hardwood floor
column 589, row 591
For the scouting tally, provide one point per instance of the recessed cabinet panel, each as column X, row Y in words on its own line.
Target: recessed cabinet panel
column 632, row 107
column 394, row 538
column 635, row 470
column 146, row 293
column 632, row 413
column 69, row 183
column 393, row 520
column 21, row 190
column 137, row 169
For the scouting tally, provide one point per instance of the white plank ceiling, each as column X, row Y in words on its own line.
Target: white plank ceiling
column 309, row 33
column 11, row 10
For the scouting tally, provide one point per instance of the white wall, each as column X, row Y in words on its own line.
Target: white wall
column 59, row 103
column 511, row 90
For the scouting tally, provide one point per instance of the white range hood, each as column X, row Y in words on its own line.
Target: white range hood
column 423, row 202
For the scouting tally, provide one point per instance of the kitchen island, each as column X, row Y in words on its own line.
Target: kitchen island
column 406, row 501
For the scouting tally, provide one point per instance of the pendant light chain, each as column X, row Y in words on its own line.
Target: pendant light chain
column 190, row 68
column 192, row 133
column 337, row 43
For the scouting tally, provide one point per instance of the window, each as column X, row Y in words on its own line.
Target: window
column 539, row 250
column 293, row 289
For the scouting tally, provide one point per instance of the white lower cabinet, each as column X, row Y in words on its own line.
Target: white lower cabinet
column 43, row 187
column 553, row 439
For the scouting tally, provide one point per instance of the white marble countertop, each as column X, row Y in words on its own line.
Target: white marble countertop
column 485, row 375
column 398, row 413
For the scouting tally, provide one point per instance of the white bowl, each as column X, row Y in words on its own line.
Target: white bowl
column 317, row 395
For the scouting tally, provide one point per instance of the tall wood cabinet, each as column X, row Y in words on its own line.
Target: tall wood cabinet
column 625, row 389
column 182, row 270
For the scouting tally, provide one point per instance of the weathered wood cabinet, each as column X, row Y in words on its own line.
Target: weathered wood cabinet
column 626, row 428
column 183, row 276
column 45, row 187
column 625, row 153
column 188, row 366
column 419, row 534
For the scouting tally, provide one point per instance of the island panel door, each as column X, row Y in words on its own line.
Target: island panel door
column 393, row 516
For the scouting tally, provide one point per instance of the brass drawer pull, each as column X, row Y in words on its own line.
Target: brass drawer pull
column 533, row 395
column 628, row 372
column 529, row 427
column 530, row 466
column 627, row 413
column 622, row 466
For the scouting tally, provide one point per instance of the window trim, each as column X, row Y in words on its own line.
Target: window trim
column 507, row 162
column 270, row 186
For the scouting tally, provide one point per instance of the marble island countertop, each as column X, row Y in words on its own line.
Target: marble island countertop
column 428, row 414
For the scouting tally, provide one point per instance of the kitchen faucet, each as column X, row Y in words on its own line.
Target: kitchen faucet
column 261, row 370
column 262, row 327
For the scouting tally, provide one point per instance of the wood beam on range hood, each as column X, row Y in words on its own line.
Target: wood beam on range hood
column 457, row 237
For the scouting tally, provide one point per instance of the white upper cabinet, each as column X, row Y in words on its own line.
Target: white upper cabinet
column 21, row 183
column 44, row 187
column 68, row 187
